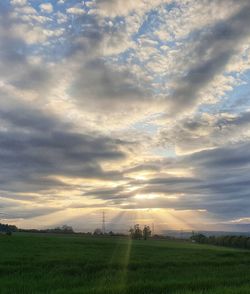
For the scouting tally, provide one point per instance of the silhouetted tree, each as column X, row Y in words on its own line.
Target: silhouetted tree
column 65, row 229
column 200, row 238
column 97, row 232
column 146, row 232
column 8, row 228
column 136, row 232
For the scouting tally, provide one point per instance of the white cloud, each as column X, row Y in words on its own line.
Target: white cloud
column 75, row 10
column 35, row 34
column 113, row 8
column 19, row 2
column 61, row 17
column 46, row 7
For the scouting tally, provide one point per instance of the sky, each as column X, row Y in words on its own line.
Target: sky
column 138, row 108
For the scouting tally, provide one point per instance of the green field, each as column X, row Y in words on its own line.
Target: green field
column 74, row 264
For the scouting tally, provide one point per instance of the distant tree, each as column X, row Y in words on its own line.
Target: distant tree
column 131, row 231
column 211, row 239
column 136, row 232
column 200, row 238
column 7, row 228
column 146, row 232
column 97, row 232
column 238, row 241
column 67, row 229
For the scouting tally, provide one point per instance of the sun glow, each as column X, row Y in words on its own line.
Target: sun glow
column 145, row 196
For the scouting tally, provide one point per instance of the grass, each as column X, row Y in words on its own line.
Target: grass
column 32, row 263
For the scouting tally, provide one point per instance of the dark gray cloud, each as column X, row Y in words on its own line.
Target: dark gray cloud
column 23, row 116
column 213, row 50
column 97, row 85
column 15, row 67
column 241, row 120
column 204, row 131
column 27, row 213
column 94, row 86
column 219, row 184
column 37, row 146
column 116, row 195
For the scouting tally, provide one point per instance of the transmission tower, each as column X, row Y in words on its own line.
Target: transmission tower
column 103, row 223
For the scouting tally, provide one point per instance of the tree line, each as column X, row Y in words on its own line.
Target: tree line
column 8, row 229
column 137, row 233
column 228, row 240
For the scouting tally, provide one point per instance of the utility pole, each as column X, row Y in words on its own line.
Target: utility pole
column 103, row 223
column 153, row 229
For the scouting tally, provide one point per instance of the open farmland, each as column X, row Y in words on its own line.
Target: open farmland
column 74, row 264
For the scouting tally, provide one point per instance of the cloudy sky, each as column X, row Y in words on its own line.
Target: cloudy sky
column 138, row 108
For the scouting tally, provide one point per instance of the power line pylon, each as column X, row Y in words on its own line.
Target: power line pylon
column 103, row 223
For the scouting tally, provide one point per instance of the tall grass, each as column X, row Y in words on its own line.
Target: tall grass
column 72, row 264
